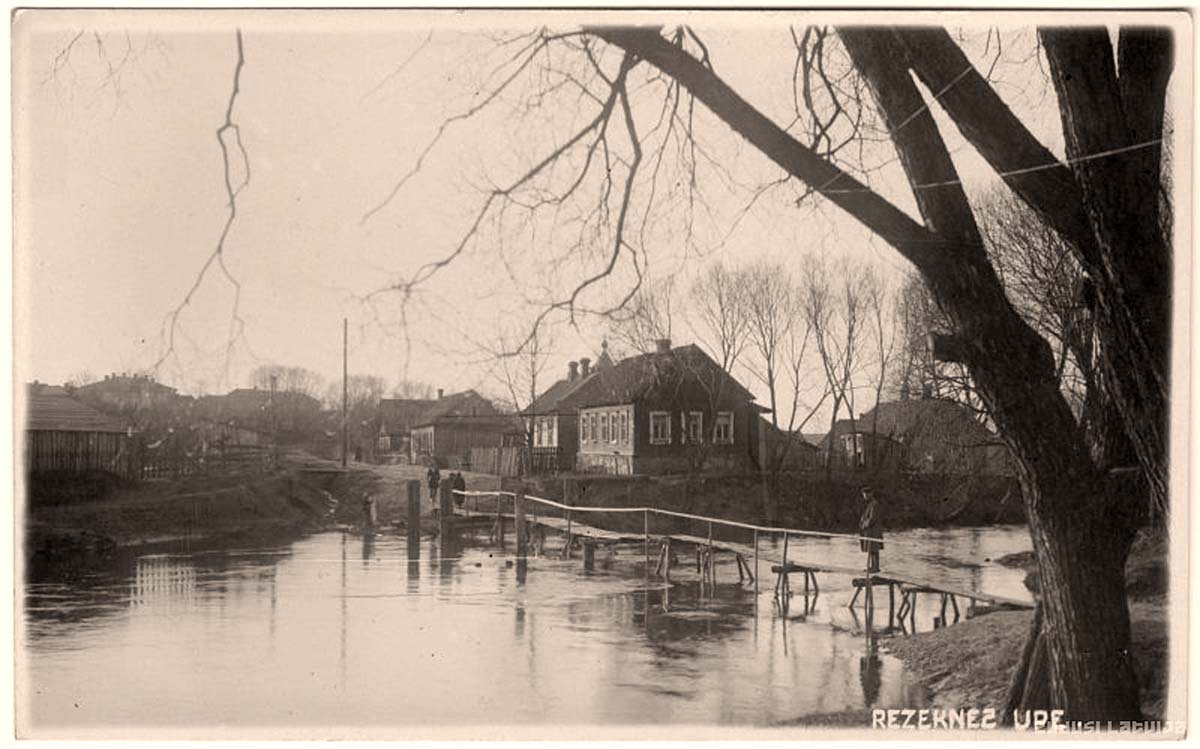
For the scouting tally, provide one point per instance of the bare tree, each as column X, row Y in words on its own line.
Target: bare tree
column 834, row 306
column 414, row 389
column 719, row 300
column 769, row 307
column 288, row 379
column 1104, row 199
column 647, row 318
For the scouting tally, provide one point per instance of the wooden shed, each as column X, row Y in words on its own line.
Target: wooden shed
column 67, row 437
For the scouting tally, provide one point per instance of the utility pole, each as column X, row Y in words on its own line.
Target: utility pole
column 345, row 385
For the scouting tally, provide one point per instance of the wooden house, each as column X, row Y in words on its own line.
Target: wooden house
column 926, row 435
column 671, row 411
column 552, row 425
column 458, row 422
column 66, row 437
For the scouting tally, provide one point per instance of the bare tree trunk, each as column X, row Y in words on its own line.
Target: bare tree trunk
column 1080, row 522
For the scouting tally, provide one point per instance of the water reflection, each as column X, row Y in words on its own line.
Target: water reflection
column 301, row 636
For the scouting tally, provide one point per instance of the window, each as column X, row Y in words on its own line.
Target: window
column 660, row 428
column 614, row 419
column 604, row 427
column 624, row 427
column 854, row 449
column 551, row 432
column 537, row 433
column 591, row 427
column 723, row 428
column 695, row 426
column 582, row 433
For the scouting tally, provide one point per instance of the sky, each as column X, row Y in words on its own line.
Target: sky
column 120, row 196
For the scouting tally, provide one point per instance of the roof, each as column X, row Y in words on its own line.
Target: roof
column 466, row 403
column 927, row 426
column 550, row 401
column 648, row 375
column 398, row 414
column 127, row 383
column 50, row 409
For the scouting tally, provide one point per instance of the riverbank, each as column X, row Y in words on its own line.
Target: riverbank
column 969, row 664
column 239, row 501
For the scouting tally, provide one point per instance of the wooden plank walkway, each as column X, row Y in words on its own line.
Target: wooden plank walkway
column 908, row 586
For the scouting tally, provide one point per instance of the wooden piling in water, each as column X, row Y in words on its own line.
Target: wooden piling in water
column 756, row 564
column 589, row 555
column 646, row 532
column 519, row 515
column 413, row 521
column 445, row 511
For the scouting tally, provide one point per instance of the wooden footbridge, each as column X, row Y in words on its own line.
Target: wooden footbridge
column 533, row 517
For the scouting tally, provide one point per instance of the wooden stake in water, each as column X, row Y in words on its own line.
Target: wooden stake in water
column 756, row 564
column 519, row 513
column 646, row 531
column 413, row 523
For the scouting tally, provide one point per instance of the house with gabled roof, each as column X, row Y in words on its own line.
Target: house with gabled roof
column 673, row 410
column 552, row 423
column 918, row 435
column 457, row 423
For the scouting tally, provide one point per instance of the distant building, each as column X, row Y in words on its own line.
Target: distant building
column 65, row 436
column 454, row 424
column 139, row 400
column 786, row 451
column 670, row 411
column 397, row 417
column 291, row 415
column 553, row 424
column 926, row 435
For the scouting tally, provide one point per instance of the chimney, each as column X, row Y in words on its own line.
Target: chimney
column 585, row 367
column 572, row 371
column 440, row 392
column 664, row 345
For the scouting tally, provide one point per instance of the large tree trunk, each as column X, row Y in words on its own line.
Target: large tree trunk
column 1081, row 527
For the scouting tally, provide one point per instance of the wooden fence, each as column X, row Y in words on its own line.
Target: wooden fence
column 499, row 461
column 48, row 451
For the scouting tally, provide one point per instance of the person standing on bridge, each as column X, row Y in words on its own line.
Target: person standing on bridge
column 434, row 477
column 459, row 484
column 870, row 526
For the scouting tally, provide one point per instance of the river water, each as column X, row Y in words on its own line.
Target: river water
column 343, row 635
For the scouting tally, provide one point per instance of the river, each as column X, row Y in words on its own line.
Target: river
column 335, row 635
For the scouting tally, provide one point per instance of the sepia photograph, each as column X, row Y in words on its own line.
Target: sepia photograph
column 576, row 374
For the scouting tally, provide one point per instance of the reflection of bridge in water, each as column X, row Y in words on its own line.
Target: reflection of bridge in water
column 665, row 535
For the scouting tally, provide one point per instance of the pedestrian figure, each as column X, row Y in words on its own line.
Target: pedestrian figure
column 459, row 484
column 870, row 525
column 368, row 508
column 434, row 477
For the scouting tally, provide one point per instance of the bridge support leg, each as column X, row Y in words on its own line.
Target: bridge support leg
column 519, row 522
column 891, row 605
column 413, row 522
column 589, row 555
column 667, row 550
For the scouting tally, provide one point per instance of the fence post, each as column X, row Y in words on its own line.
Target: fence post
column 519, row 513
column 413, row 524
